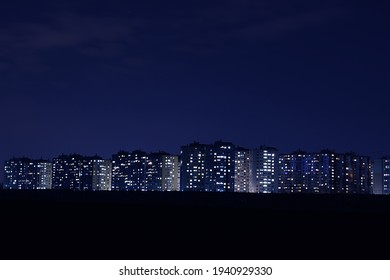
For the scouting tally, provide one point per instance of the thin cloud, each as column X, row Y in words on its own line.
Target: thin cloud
column 203, row 30
column 68, row 30
column 210, row 29
column 277, row 27
column 24, row 43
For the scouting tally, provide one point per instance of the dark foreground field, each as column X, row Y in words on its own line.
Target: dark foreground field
column 111, row 225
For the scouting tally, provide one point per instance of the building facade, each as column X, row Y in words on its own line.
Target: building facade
column 262, row 170
column 129, row 171
column 192, row 167
column 170, row 173
column 325, row 172
column 140, row 171
column 330, row 171
column 44, row 174
column 162, row 172
column 219, row 167
column 358, row 174
column 295, row 173
column 120, row 171
column 385, row 166
column 67, row 170
column 138, row 168
column 102, row 175
column 76, row 172
column 241, row 170
column 27, row 174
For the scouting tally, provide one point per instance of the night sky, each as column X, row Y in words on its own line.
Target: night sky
column 94, row 77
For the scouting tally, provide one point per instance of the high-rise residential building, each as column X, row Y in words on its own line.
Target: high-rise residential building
column 329, row 171
column 67, row 172
column 19, row 174
column 120, row 171
column 170, row 173
column 139, row 171
column 25, row 173
column 137, row 176
column 76, row 172
column 325, row 172
column 207, row 168
column 219, row 167
column 162, row 172
column 102, row 175
column 192, row 167
column 295, row 173
column 241, row 170
column 262, row 170
column 302, row 172
column 385, row 178
column 178, row 173
column 154, row 168
column 378, row 178
column 129, row 171
column 358, row 174
column 44, row 174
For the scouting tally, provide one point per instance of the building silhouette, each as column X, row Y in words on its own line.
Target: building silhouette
column 330, row 171
column 219, row 167
column 129, row 171
column 120, row 171
column 296, row 173
column 208, row 168
column 77, row 172
column 192, row 167
column 137, row 175
column 102, row 175
column 140, row 171
column 263, row 170
column 162, row 172
column 325, row 172
column 358, row 177
column 67, row 172
column 385, row 174
column 241, row 170
column 27, row 174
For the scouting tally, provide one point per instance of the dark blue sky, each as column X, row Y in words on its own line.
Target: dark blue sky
column 99, row 76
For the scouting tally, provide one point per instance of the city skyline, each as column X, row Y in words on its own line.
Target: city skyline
column 217, row 167
column 133, row 126
column 101, row 76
